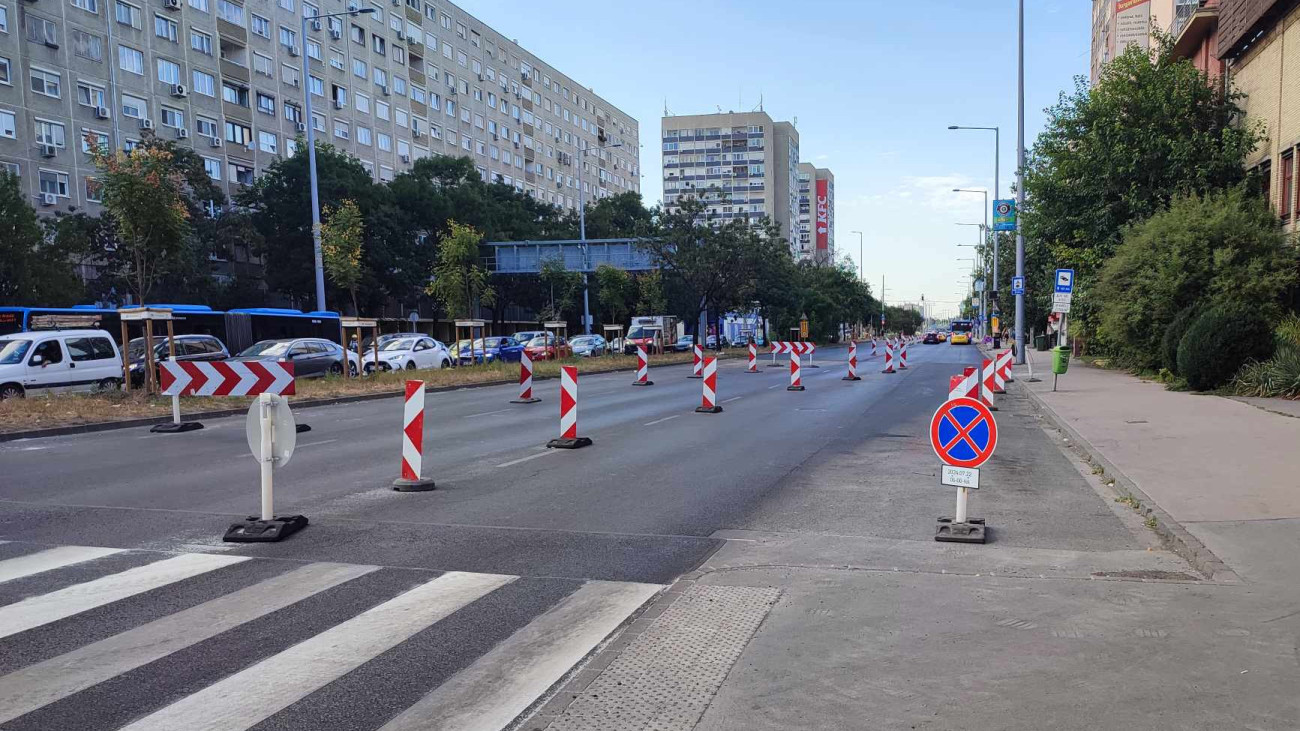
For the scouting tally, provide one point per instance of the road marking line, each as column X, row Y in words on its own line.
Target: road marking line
column 660, row 421
column 252, row 695
column 39, row 685
column 487, row 413
column 46, row 608
column 54, row 558
column 501, row 684
column 314, row 444
column 772, row 387
column 733, row 398
column 525, row 459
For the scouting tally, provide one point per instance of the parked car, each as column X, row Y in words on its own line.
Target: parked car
column 931, row 338
column 58, row 361
column 523, row 337
column 547, row 347
column 368, row 343
column 492, row 349
column 589, row 345
column 189, row 349
column 408, row 354
column 311, row 357
column 683, row 344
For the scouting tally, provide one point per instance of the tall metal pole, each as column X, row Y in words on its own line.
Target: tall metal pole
column 1020, row 190
column 311, row 171
column 582, row 236
column 861, row 275
column 997, row 133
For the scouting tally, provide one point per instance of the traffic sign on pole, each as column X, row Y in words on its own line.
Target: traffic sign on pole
column 1017, row 286
column 1004, row 215
column 1065, row 280
column 963, row 432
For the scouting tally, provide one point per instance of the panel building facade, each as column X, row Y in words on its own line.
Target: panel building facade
column 410, row 80
column 816, row 214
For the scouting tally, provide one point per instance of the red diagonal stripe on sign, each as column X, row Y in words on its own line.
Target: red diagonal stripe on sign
column 166, row 379
column 229, row 379
column 197, row 378
column 415, row 432
column 264, row 377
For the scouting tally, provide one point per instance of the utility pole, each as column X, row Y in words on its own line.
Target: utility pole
column 1020, row 191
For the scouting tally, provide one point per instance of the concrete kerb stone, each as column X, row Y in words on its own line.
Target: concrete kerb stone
column 59, row 431
column 1175, row 536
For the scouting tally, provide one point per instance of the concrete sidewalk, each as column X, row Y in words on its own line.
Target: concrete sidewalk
column 1226, row 470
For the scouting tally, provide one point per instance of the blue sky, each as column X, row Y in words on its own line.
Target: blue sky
column 873, row 85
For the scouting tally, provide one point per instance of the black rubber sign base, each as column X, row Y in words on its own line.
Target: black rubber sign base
column 574, row 443
column 172, row 427
column 532, row 400
column 972, row 531
column 404, row 485
column 264, row 531
column 851, row 378
column 708, row 409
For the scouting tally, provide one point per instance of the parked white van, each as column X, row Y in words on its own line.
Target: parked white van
column 58, row 361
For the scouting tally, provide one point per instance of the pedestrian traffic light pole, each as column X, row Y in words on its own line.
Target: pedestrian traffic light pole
column 1020, row 191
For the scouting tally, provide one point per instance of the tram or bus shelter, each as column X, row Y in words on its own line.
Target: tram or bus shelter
column 470, row 326
column 357, row 324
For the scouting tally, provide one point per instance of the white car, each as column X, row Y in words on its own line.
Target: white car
column 58, row 361
column 409, row 354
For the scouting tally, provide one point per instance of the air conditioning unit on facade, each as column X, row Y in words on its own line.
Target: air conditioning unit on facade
column 293, row 51
column 146, row 124
column 335, row 33
column 385, row 90
column 401, row 36
column 49, row 199
column 214, row 142
column 172, row 4
column 315, row 25
column 179, row 91
column 182, row 134
column 302, row 127
column 101, row 112
column 406, row 158
column 49, row 151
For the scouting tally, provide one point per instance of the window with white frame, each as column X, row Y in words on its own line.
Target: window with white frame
column 199, row 5
column 313, row 50
column 134, row 107
column 362, row 103
column 241, row 173
column 317, row 86
column 169, row 72
column 292, row 112
column 399, row 86
column 201, row 42
column 54, row 182
column 289, row 39
column 385, row 142
column 268, row 142
column 94, row 190
column 336, row 59
column 341, row 129
column 4, row 19
column 359, row 68
column 212, row 167
column 290, row 146
column 90, row 6
column 128, row 14
column 204, row 83
column 95, row 138
column 403, row 147
column 381, row 77
column 318, row 122
column 230, row 12
column 259, row 25
column 90, row 95
column 88, row 46
column 399, row 55
column 238, row 133
column 46, row 82
column 289, row 74
column 130, row 60
column 206, row 126
column 381, row 110
column 288, row 5
column 265, row 103
column 263, row 65
column 173, row 118
column 400, row 117
column 8, row 124
column 363, row 135
column 164, row 27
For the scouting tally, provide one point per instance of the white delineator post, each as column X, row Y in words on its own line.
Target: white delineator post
column 413, row 441
column 853, row 362
column 796, row 384
column 753, row 359
column 873, row 347
column 642, row 368
column 960, row 391
column 697, row 363
column 902, row 355
column 987, row 385
column 569, row 438
column 525, row 380
column 265, row 408
column 889, row 357
column 810, row 348
column 709, row 400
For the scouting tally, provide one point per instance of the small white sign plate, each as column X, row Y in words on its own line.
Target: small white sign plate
column 1061, row 302
column 960, row 477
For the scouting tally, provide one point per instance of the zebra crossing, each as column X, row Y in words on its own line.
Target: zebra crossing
column 101, row 638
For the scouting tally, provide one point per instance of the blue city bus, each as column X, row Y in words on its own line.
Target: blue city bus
column 24, row 319
column 248, row 325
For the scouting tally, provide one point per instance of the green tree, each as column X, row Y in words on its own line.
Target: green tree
column 144, row 193
column 1203, row 251
column 561, row 286
column 1112, row 154
column 341, row 247
column 34, row 269
column 459, row 283
column 615, row 291
column 618, row 217
column 650, row 299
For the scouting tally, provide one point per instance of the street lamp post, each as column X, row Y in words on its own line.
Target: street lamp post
column 860, row 269
column 997, row 143
column 1020, row 190
column 582, row 236
column 981, row 233
column 986, row 233
column 311, row 153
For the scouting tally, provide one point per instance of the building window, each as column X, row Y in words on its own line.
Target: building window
column 1287, row 199
column 169, row 72
column 359, row 68
column 381, row 77
column 399, row 86
column 363, row 135
column 173, row 118
column 201, row 42
column 313, row 50
column 288, row 5
column 341, row 130
column 101, row 141
column 230, row 12
column 399, row 54
column 262, row 65
column 265, row 103
column 289, row 39
column 134, row 107
column 94, row 190
column 130, row 60
column 8, row 124
column 165, row 28
column 212, row 168
column 88, row 46
column 241, row 174
column 317, row 86
column 385, row 142
column 238, row 133
column 89, row 95
column 90, row 6
column 336, row 59
column 234, row 94
column 259, row 25
column 204, row 84
column 199, row 5
column 378, row 45
column 292, row 112
column 288, row 74
column 46, row 82
column 357, row 34
column 381, row 110
column 128, row 14
column 54, row 183
column 206, row 127
column 362, row 103
column 268, row 142
column 12, row 168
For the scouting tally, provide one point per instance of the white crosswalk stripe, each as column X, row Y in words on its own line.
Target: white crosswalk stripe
column 487, row 691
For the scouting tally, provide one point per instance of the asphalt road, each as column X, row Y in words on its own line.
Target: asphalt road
column 466, row 602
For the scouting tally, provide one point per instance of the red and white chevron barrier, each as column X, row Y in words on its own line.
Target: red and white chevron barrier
column 753, row 359
column 902, row 356
column 413, row 441
column 889, row 357
column 709, row 401
column 988, row 383
column 642, row 368
column 525, row 380
column 798, row 347
column 964, row 386
column 853, row 362
column 873, row 347
column 999, row 382
column 1006, row 361
column 221, row 378
column 796, row 383
column 697, row 363
column 569, row 438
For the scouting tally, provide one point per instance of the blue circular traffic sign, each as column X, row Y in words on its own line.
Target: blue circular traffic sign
column 963, row 432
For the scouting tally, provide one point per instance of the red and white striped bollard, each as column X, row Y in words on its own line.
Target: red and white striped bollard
column 413, row 441
column 853, row 362
column 753, row 358
column 697, row 362
column 796, row 384
column 988, row 384
column 709, row 401
column 569, row 438
column 525, row 380
column 642, row 368
column 889, row 357
column 902, row 356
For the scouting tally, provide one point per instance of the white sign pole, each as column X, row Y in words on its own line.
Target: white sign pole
column 176, row 408
column 266, row 406
column 961, row 505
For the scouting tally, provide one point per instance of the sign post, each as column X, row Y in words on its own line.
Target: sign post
column 963, row 435
column 272, row 436
column 1004, row 215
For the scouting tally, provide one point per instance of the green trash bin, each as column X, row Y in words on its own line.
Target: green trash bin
column 1060, row 359
column 1040, row 343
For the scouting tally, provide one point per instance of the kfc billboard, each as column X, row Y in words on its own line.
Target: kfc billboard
column 823, row 215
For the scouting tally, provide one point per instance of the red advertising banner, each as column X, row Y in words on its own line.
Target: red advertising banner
column 823, row 215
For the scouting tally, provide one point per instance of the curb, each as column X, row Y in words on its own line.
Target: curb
column 58, row 431
column 1179, row 540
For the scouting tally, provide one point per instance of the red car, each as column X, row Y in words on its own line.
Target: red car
column 548, row 347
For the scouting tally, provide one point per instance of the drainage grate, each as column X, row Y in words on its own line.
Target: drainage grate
column 666, row 677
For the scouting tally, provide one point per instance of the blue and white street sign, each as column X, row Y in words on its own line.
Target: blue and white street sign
column 1017, row 286
column 1065, row 281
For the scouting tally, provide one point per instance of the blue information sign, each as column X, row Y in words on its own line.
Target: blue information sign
column 1017, row 285
column 1065, row 281
column 1004, row 215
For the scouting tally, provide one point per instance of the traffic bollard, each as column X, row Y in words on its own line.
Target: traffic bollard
column 525, row 380
column 642, row 368
column 796, row 384
column 753, row 359
column 413, row 441
column 569, row 438
column 709, row 400
column 853, row 362
column 889, row 357
column 697, row 362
